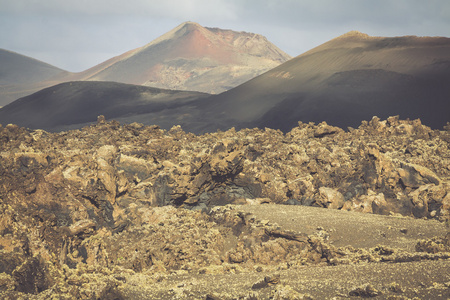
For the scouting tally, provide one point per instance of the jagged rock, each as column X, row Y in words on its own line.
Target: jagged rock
column 369, row 203
column 267, row 281
column 106, row 172
column 149, row 200
column 330, row 198
column 365, row 291
column 324, row 129
column 434, row 245
column 427, row 200
column 414, row 176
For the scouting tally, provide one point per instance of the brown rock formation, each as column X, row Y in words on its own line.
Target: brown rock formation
column 84, row 213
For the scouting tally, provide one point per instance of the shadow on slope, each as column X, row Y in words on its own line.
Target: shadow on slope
column 347, row 80
column 351, row 96
column 72, row 104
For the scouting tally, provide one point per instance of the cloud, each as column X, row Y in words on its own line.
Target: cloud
column 162, row 9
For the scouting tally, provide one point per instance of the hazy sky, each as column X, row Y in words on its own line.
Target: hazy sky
column 77, row 34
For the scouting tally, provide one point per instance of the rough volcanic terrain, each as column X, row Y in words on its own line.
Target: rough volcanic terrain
column 117, row 211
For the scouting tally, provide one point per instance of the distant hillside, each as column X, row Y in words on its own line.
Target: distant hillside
column 20, row 74
column 192, row 57
column 19, row 69
column 346, row 80
column 75, row 104
column 189, row 57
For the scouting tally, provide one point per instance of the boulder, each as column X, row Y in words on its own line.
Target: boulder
column 330, row 198
column 413, row 176
column 323, row 129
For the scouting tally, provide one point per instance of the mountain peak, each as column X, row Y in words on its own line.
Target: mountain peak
column 193, row 57
column 355, row 33
column 178, row 31
column 187, row 26
column 190, row 23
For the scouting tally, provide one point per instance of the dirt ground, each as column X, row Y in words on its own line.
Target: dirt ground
column 412, row 280
column 425, row 279
column 349, row 228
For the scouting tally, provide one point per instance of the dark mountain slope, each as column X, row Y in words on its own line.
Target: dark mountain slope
column 346, row 80
column 19, row 74
column 72, row 104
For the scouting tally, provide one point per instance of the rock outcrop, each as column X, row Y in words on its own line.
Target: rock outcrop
column 111, row 199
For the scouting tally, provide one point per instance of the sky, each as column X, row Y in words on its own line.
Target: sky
column 77, row 34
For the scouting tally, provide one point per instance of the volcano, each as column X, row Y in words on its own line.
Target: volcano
column 342, row 82
column 189, row 57
column 192, row 57
column 346, row 80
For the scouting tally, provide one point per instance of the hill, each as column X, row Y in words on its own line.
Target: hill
column 20, row 75
column 346, row 80
column 73, row 104
column 192, row 57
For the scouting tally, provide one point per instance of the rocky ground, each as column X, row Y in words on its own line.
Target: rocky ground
column 135, row 212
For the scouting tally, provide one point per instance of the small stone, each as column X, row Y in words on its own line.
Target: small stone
column 213, row 296
column 364, row 291
column 272, row 279
column 267, row 281
column 101, row 120
column 396, row 288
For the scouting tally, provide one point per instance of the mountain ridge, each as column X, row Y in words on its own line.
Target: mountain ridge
column 342, row 82
column 309, row 80
column 188, row 57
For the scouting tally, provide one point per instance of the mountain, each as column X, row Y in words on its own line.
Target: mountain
column 189, row 57
column 21, row 74
column 76, row 104
column 346, row 80
column 192, row 57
